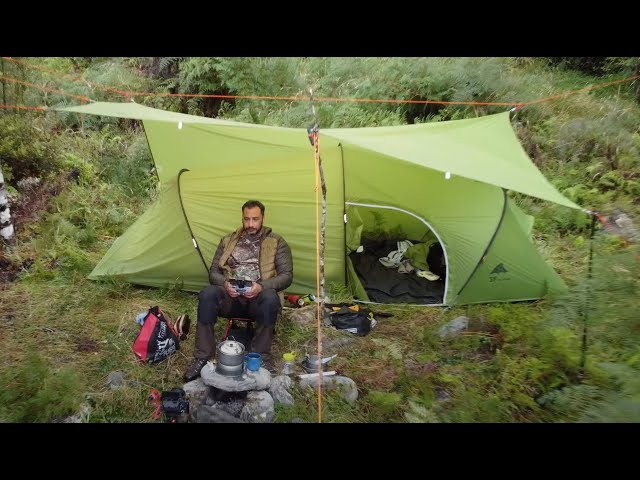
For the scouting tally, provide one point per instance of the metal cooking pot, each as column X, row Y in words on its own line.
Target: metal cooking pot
column 227, row 371
column 230, row 353
column 310, row 364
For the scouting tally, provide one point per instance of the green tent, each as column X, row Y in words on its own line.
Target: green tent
column 442, row 183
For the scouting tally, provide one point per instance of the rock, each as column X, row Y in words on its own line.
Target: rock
column 455, row 326
column 280, row 389
column 81, row 417
column 196, row 392
column 442, row 396
column 259, row 408
column 115, row 379
column 210, row 414
column 626, row 226
column 305, row 316
column 259, row 380
column 344, row 384
column 331, row 344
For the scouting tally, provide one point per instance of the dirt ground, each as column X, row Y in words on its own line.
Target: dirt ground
column 32, row 202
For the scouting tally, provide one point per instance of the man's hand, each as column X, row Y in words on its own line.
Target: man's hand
column 230, row 290
column 256, row 288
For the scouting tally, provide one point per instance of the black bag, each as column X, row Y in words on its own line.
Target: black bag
column 157, row 338
column 182, row 326
column 353, row 319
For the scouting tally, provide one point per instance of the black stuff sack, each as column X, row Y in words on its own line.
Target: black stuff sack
column 182, row 326
column 157, row 339
column 353, row 319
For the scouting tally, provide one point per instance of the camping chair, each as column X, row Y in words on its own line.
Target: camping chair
column 231, row 322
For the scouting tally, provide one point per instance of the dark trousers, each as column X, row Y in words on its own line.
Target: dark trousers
column 213, row 301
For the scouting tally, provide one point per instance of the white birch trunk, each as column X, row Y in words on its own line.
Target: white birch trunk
column 6, row 227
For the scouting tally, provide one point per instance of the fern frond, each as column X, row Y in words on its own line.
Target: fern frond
column 393, row 347
column 166, row 62
column 418, row 413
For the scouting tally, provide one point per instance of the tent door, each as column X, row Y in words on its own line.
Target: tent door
column 376, row 231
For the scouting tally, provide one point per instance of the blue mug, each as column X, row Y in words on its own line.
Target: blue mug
column 253, row 361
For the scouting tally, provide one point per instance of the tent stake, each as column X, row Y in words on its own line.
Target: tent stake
column 587, row 302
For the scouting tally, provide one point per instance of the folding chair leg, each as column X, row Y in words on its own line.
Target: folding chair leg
column 226, row 331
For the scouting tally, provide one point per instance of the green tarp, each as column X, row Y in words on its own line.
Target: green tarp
column 448, row 178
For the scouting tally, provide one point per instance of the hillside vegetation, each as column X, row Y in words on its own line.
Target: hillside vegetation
column 77, row 182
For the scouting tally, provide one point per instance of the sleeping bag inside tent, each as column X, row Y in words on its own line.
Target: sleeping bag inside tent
column 415, row 214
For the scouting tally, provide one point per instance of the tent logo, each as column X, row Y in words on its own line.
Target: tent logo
column 499, row 269
column 499, row 274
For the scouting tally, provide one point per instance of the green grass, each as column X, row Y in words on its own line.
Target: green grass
column 81, row 331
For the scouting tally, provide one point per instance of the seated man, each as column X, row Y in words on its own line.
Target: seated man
column 260, row 259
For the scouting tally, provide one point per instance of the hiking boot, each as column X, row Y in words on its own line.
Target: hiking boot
column 194, row 370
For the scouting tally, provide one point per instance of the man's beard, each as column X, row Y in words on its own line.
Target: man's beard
column 252, row 231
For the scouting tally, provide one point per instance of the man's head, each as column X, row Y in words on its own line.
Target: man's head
column 252, row 216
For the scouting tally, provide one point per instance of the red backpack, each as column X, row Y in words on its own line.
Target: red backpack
column 157, row 339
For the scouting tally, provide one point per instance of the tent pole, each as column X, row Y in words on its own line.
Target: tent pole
column 186, row 220
column 486, row 250
column 344, row 213
column 155, row 167
column 314, row 137
column 587, row 300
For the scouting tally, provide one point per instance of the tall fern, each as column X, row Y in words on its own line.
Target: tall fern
column 605, row 307
column 617, row 403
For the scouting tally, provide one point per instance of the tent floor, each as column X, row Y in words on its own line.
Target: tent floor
column 386, row 285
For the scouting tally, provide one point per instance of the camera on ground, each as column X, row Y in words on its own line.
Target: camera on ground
column 174, row 402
